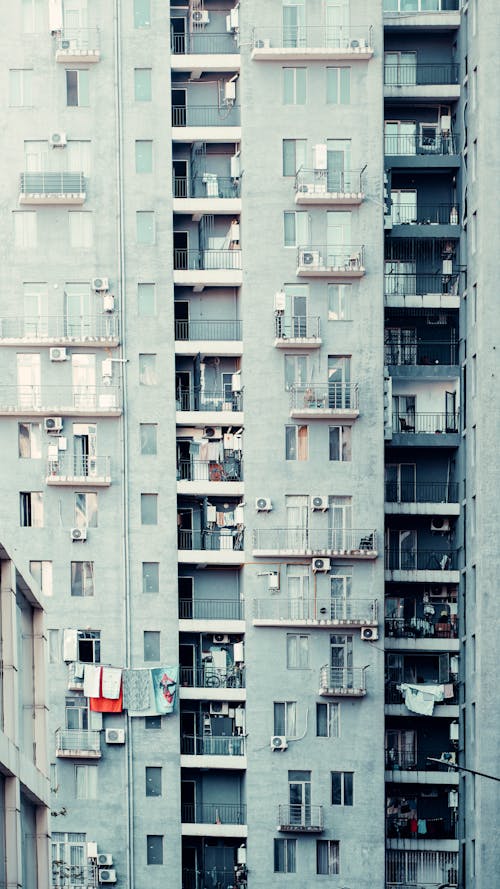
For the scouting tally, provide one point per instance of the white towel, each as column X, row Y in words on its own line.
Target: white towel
column 111, row 683
column 92, row 681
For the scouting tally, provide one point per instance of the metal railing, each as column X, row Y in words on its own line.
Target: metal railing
column 420, row 144
column 205, row 260
column 350, row 679
column 421, row 74
column 341, row 258
column 393, row 695
column 211, row 609
column 69, row 740
column 330, row 396
column 58, row 399
column 60, row 327
column 315, row 37
column 209, row 677
column 210, row 471
column 328, row 182
column 435, row 828
column 196, row 399
column 322, row 610
column 409, row 6
column 210, row 540
column 421, row 352
column 203, row 43
column 206, row 116
column 213, row 745
column 333, row 541
column 221, row 879
column 300, row 817
column 208, row 185
column 411, row 760
column 420, row 868
column 65, row 466
column 428, row 424
column 208, row 330
column 297, row 327
column 79, row 39
column 421, row 560
column 421, row 627
column 213, row 813
column 421, row 492
column 425, row 214
column 421, row 284
column 52, row 183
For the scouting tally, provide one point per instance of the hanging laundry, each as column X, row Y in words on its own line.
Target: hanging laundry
column 91, row 681
column 165, row 682
column 137, row 690
column 221, row 519
column 203, row 455
column 448, row 690
column 421, row 698
column 111, row 681
column 105, row 705
column 422, row 827
column 413, row 825
column 228, row 441
column 79, row 671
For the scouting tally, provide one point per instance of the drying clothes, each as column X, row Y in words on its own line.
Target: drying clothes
column 413, row 825
column 111, row 681
column 436, row 690
column 137, row 690
column 221, row 519
column 421, row 698
column 100, row 704
column 422, row 827
column 165, row 682
column 203, row 455
column 91, row 681
column 448, row 690
column 228, row 441
column 79, row 671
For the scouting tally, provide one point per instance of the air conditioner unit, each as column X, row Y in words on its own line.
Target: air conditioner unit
column 319, row 503
column 65, row 44
column 100, row 284
column 239, row 652
column 115, row 736
column 320, row 565
column 220, row 638
column 440, row 524
column 445, row 123
column 263, row 504
column 279, row 301
column 219, row 708
column 439, row 592
column 310, row 258
column 53, row 425
column 58, row 354
column 58, row 140
column 78, row 534
column 234, row 18
column 200, row 17
column 369, row 634
column 263, row 44
column 235, row 166
column 212, row 432
column 241, row 855
column 320, row 156
column 454, row 731
column 107, row 876
column 278, row 742
column 236, row 382
column 104, row 859
column 91, row 850
column 447, row 266
column 230, row 91
column 108, row 302
column 449, row 757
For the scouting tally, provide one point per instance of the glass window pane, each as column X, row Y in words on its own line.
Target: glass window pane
column 148, row 433
column 289, row 166
column 334, row 442
column 149, row 509
column 288, row 86
column 143, row 156
column 336, row 788
column 152, row 722
column 147, row 370
column 291, row 442
column 279, row 719
column 150, row 577
column 154, row 849
column 321, row 720
column 72, row 88
column 151, row 645
column 83, row 89
column 146, row 299
column 142, row 84
column 153, row 780
column 289, row 229
column 345, row 86
column 145, row 227
column 142, row 13
column 332, row 85
column 301, row 82
column 348, row 788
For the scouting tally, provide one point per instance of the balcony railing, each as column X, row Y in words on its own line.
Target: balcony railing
column 331, row 396
column 59, row 399
column 203, row 43
column 61, row 328
column 331, row 182
column 79, row 469
column 205, row 115
column 197, row 399
column 421, row 492
column 326, row 611
column 209, row 677
column 393, row 694
column 224, row 745
column 409, row 6
column 315, row 37
column 409, row 869
column 331, row 259
column 425, row 214
column 421, row 560
column 421, row 144
column 298, row 818
column 420, row 628
column 435, row 828
column 79, row 40
column 421, row 284
column 425, row 423
column 297, row 327
column 410, row 760
column 205, row 260
column 213, row 813
column 225, row 331
column 75, row 743
column 211, row 609
column 421, row 352
column 210, row 471
column 332, row 542
column 209, row 185
column 421, row 74
column 221, row 879
column 210, row 540
column 342, row 681
column 52, row 183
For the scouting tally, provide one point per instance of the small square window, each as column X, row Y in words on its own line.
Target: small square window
column 150, row 577
column 142, row 84
column 77, row 88
column 149, row 434
column 143, row 156
column 147, row 370
column 152, row 722
column 155, row 849
column 149, row 509
column 153, row 780
column 145, row 220
column 151, row 645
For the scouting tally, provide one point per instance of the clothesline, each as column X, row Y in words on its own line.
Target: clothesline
column 142, row 692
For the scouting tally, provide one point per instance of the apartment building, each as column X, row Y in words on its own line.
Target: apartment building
column 244, row 243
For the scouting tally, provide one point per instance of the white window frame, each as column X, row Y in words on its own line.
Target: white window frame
column 297, row 651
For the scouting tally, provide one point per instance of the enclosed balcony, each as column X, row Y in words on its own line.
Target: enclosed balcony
column 61, row 329
column 209, row 676
column 75, row 744
column 428, row 15
column 52, row 188
column 331, row 261
column 297, row 331
column 406, row 78
column 342, row 682
column 284, row 612
column 78, row 45
column 233, row 747
column 336, row 187
column 403, row 348
column 408, row 869
column 78, row 401
column 330, row 401
column 312, row 42
column 338, row 543
column 77, row 470
column 300, row 818
column 417, row 815
column 218, row 337
column 412, row 760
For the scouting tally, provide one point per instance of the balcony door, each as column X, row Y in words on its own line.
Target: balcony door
column 400, row 277
column 402, row 554
column 28, row 379
column 338, row 237
column 299, row 797
column 75, row 14
column 297, row 519
column 400, row 68
column 341, row 657
column 179, row 107
column 339, row 378
column 451, row 411
column 400, row 482
column 84, row 380
column 298, row 592
column 400, row 137
column 36, row 322
column 79, row 307
column 340, row 519
column 340, row 593
column 84, row 449
column 337, row 22
column 404, row 206
column 338, row 160
column 294, row 20
column 401, row 748
column 400, row 345
column 295, row 320
column 403, row 413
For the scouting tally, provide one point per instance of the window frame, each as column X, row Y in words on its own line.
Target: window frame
column 86, row 579
column 297, row 89
column 296, row 445
column 332, row 720
column 31, row 509
column 345, row 786
column 79, row 90
column 288, row 857
column 332, row 848
column 339, row 86
column 301, row 655
column 344, row 443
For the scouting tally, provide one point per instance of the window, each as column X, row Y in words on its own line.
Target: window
column 296, row 367
column 42, row 572
column 31, row 508
column 77, row 88
column 77, row 713
column 148, row 435
column 154, row 849
column 294, row 86
column 54, row 646
column 25, row 229
column 86, row 782
column 142, row 15
column 340, row 443
column 339, row 302
column 80, row 229
column 82, row 579
column 150, row 577
column 30, row 441
column 147, row 370
column 294, row 155
column 285, row 718
column 297, row 651
column 146, row 299
column 69, row 856
column 20, row 87
column 33, row 16
column 296, row 229
column 153, row 780
column 142, row 84
column 285, row 856
column 143, row 156
column 296, row 442
column 152, row 722
column 145, row 220
column 342, row 788
column 338, row 86
column 327, row 857
column 328, row 720
column 85, row 510
column 149, row 509
column 151, row 645
column 89, row 646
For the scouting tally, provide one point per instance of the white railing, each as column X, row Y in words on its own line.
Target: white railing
column 59, row 327
column 330, row 396
column 60, row 399
column 346, row 680
column 65, row 466
column 78, row 741
column 361, row 611
column 317, row 542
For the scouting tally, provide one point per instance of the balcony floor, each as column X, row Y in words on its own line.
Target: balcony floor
column 449, row 711
column 209, row 418
column 211, row 557
column 215, row 348
column 84, row 56
column 196, row 63
column 76, row 198
column 208, row 761
column 322, row 624
column 208, row 277
column 443, row 92
column 310, row 54
column 323, row 413
column 214, row 830
column 364, row 555
column 421, row 776
column 211, row 489
column 427, row 643
column 78, row 754
column 206, row 134
column 86, row 481
column 429, row 21
column 329, row 198
column 212, row 694
column 205, row 625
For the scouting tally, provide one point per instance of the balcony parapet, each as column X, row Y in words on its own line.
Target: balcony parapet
column 323, row 187
column 203, row 43
column 421, row 353
column 427, row 424
column 207, row 260
column 211, row 609
column 211, row 331
column 58, row 329
column 347, row 543
column 331, row 400
column 93, row 471
column 213, row 745
column 210, row 470
column 335, row 261
column 206, row 116
column 197, row 399
column 213, row 813
column 78, row 45
column 208, row 185
column 298, row 818
column 421, row 492
column 421, row 74
column 75, row 744
column 211, row 541
column 420, row 145
column 66, row 400
column 209, row 677
column 299, row 331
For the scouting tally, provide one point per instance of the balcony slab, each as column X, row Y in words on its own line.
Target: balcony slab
column 200, row 278
column 424, row 372
column 336, row 199
column 211, row 557
column 310, row 54
column 323, row 413
column 449, row 711
column 206, row 134
column 212, row 694
column 215, row 348
column 427, row 643
column 209, row 418
column 196, row 63
column 442, row 92
column 423, row 845
column 442, row 231
column 197, row 207
column 214, row 830
column 323, row 271
column 448, row 20
column 59, row 199
column 442, row 301
column 298, row 342
column 209, row 626
column 416, row 575
column 421, row 776
column 211, row 489
column 425, row 440
column 72, row 481
column 451, row 509
column 191, row 761
column 422, row 161
column 82, row 56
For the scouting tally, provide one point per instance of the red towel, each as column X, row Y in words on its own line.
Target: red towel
column 107, row 705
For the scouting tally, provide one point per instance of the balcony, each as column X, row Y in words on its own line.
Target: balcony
column 211, row 610
column 222, row 547
column 78, row 45
column 425, row 149
column 299, row 818
column 336, row 262
column 214, row 813
column 423, row 80
column 211, row 477
column 194, row 52
column 316, row 42
column 320, row 187
column 206, row 123
column 421, row 498
column 208, row 193
column 67, row 471
column 420, row 353
column 437, row 428
column 221, row 338
column 52, row 188
column 80, row 401
column 339, row 682
column 299, row 331
column 422, row 869
column 422, row 291
column 394, row 695
column 326, row 613
column 339, row 544
column 422, row 565
column 51, row 330
column 75, row 744
column 426, row 220
column 224, row 751
column 202, row 406
column 416, row 628
column 200, row 268
column 230, row 878
column 435, row 15
column 331, row 401
column 412, row 760
column 209, row 677
column 435, row 829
